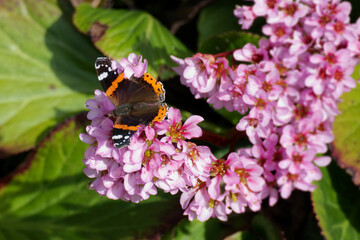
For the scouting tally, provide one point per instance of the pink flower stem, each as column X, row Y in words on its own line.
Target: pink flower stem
column 224, row 54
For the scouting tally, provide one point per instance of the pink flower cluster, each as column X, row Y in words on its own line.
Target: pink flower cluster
column 288, row 87
column 160, row 156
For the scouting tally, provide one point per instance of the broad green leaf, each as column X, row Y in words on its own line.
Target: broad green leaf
column 51, row 200
column 252, row 226
column 347, row 132
column 264, row 228
column 118, row 32
column 187, row 230
column 46, row 71
column 217, row 18
column 241, row 236
column 336, row 203
column 227, row 42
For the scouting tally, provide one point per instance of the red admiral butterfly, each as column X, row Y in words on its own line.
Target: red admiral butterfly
column 138, row 100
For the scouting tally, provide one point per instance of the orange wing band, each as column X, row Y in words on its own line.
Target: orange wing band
column 115, row 84
column 161, row 114
column 157, row 86
column 126, row 127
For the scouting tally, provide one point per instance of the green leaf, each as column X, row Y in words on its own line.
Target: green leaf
column 347, row 132
column 217, row 18
column 196, row 230
column 336, row 203
column 253, row 226
column 227, row 41
column 264, row 228
column 46, row 71
column 116, row 33
column 241, row 236
column 50, row 198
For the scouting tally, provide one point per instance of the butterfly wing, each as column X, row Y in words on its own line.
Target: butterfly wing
column 144, row 96
column 137, row 100
column 109, row 78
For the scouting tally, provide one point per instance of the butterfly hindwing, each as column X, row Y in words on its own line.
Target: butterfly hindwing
column 121, row 137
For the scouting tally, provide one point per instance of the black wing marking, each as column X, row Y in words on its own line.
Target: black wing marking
column 105, row 73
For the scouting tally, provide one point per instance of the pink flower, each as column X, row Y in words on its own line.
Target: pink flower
column 176, row 132
column 277, row 32
column 133, row 65
column 249, row 173
column 245, row 15
column 249, row 53
column 331, row 56
column 97, row 111
column 340, row 80
column 197, row 72
column 268, row 7
column 290, row 13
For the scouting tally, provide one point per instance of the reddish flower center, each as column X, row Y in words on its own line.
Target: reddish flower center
column 339, row 27
column 261, row 161
column 175, row 132
column 324, row 20
column 292, row 177
column 322, row 73
column 220, row 70
column 260, row 103
column 193, row 154
column 148, row 154
column 243, row 174
column 271, row 3
column 301, row 111
column 267, row 87
column 239, row 89
column 338, row 75
column 253, row 122
column 291, row 9
column 277, row 156
column 281, row 83
column 165, row 159
column 279, row 32
column 332, row 9
column 301, row 139
column 307, row 39
column 321, row 127
column 281, row 68
column 218, row 167
column 330, row 58
column 256, row 58
column 297, row 158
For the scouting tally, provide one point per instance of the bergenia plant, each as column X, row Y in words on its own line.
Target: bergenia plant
column 287, row 88
column 231, row 119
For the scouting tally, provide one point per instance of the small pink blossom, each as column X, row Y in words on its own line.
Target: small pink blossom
column 133, row 65
column 246, row 16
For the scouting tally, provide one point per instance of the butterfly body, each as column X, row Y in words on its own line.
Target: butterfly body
column 137, row 100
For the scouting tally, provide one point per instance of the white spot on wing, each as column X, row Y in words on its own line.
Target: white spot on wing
column 103, row 75
column 117, row 137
